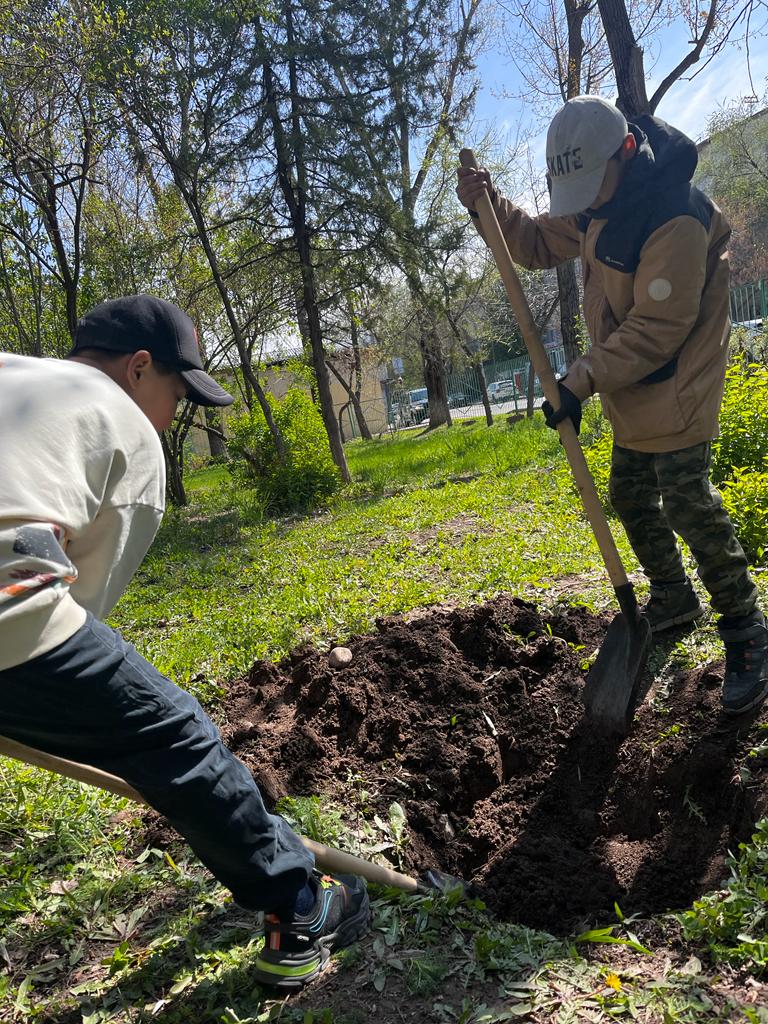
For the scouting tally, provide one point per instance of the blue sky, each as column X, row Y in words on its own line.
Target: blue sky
column 687, row 105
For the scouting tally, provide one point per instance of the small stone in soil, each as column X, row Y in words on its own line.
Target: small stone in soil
column 340, row 657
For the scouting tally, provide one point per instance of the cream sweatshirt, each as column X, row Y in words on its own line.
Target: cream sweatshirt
column 82, row 492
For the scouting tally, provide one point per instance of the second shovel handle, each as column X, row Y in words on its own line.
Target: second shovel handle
column 326, row 857
column 581, row 474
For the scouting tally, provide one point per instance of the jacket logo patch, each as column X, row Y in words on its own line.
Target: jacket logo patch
column 612, row 261
column 659, row 289
column 565, row 163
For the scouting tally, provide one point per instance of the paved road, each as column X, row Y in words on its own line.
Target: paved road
column 465, row 411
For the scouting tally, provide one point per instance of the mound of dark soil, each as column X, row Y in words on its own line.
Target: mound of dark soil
column 471, row 719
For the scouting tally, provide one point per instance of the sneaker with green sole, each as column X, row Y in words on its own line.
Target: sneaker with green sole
column 672, row 604
column 298, row 948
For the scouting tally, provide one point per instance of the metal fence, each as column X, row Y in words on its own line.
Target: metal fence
column 749, row 304
column 507, row 382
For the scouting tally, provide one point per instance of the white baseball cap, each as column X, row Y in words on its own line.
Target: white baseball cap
column 582, row 138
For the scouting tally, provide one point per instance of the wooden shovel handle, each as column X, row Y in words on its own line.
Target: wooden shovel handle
column 326, row 857
column 573, row 452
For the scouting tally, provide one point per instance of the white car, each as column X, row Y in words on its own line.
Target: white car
column 502, row 391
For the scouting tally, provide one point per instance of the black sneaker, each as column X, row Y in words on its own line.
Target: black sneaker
column 746, row 662
column 298, row 948
column 672, row 604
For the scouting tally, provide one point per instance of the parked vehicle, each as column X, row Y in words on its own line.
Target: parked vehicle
column 502, row 391
column 419, row 404
column 469, row 396
column 410, row 407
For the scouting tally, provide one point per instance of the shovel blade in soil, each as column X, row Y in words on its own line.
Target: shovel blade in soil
column 613, row 683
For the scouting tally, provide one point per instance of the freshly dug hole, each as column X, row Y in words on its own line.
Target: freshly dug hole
column 472, row 720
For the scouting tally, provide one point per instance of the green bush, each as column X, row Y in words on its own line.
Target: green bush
column 746, row 500
column 743, row 440
column 306, row 476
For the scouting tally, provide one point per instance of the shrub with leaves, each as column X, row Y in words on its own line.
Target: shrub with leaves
column 306, row 476
column 743, row 440
column 746, row 500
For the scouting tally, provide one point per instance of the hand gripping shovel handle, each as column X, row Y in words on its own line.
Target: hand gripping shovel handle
column 573, row 452
column 326, row 857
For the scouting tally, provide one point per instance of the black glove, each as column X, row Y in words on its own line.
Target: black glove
column 570, row 405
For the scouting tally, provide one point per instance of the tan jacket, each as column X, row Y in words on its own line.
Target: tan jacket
column 656, row 294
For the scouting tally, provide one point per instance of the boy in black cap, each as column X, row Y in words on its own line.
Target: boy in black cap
column 82, row 492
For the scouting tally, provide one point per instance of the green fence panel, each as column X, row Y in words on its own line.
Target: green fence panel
column 749, row 303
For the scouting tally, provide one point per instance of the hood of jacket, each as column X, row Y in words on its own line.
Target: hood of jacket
column 664, row 157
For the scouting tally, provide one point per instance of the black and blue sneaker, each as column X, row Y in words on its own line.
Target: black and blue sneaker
column 746, row 662
column 298, row 947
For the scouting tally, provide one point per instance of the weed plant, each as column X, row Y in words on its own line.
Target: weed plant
column 733, row 923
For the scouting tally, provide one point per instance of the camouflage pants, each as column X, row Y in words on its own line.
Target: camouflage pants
column 659, row 495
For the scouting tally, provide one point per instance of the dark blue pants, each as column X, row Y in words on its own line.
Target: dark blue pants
column 95, row 700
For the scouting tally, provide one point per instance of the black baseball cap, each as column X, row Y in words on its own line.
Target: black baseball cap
column 145, row 322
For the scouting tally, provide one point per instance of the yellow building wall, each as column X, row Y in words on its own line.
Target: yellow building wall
column 279, row 380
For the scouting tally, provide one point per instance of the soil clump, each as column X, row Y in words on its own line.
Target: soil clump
column 471, row 719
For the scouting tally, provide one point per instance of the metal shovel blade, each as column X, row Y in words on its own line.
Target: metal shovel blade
column 612, row 686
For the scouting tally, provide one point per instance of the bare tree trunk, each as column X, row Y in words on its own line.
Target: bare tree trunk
column 342, row 410
column 318, row 355
column 567, row 287
column 358, row 369
column 216, row 443
column 354, row 401
column 540, row 325
column 174, row 470
column 626, row 57
column 435, row 377
column 483, row 383
column 292, row 179
column 568, row 292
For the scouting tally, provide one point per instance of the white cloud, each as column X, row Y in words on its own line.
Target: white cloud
column 689, row 104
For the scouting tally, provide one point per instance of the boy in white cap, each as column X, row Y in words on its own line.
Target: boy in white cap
column 654, row 259
column 82, row 482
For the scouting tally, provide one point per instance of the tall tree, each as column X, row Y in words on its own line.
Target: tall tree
column 559, row 47
column 50, row 123
column 182, row 77
column 733, row 169
column 292, row 106
column 710, row 28
column 405, row 70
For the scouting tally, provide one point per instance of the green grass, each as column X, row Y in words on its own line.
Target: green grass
column 207, row 479
column 203, row 610
column 421, row 458
column 95, row 927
